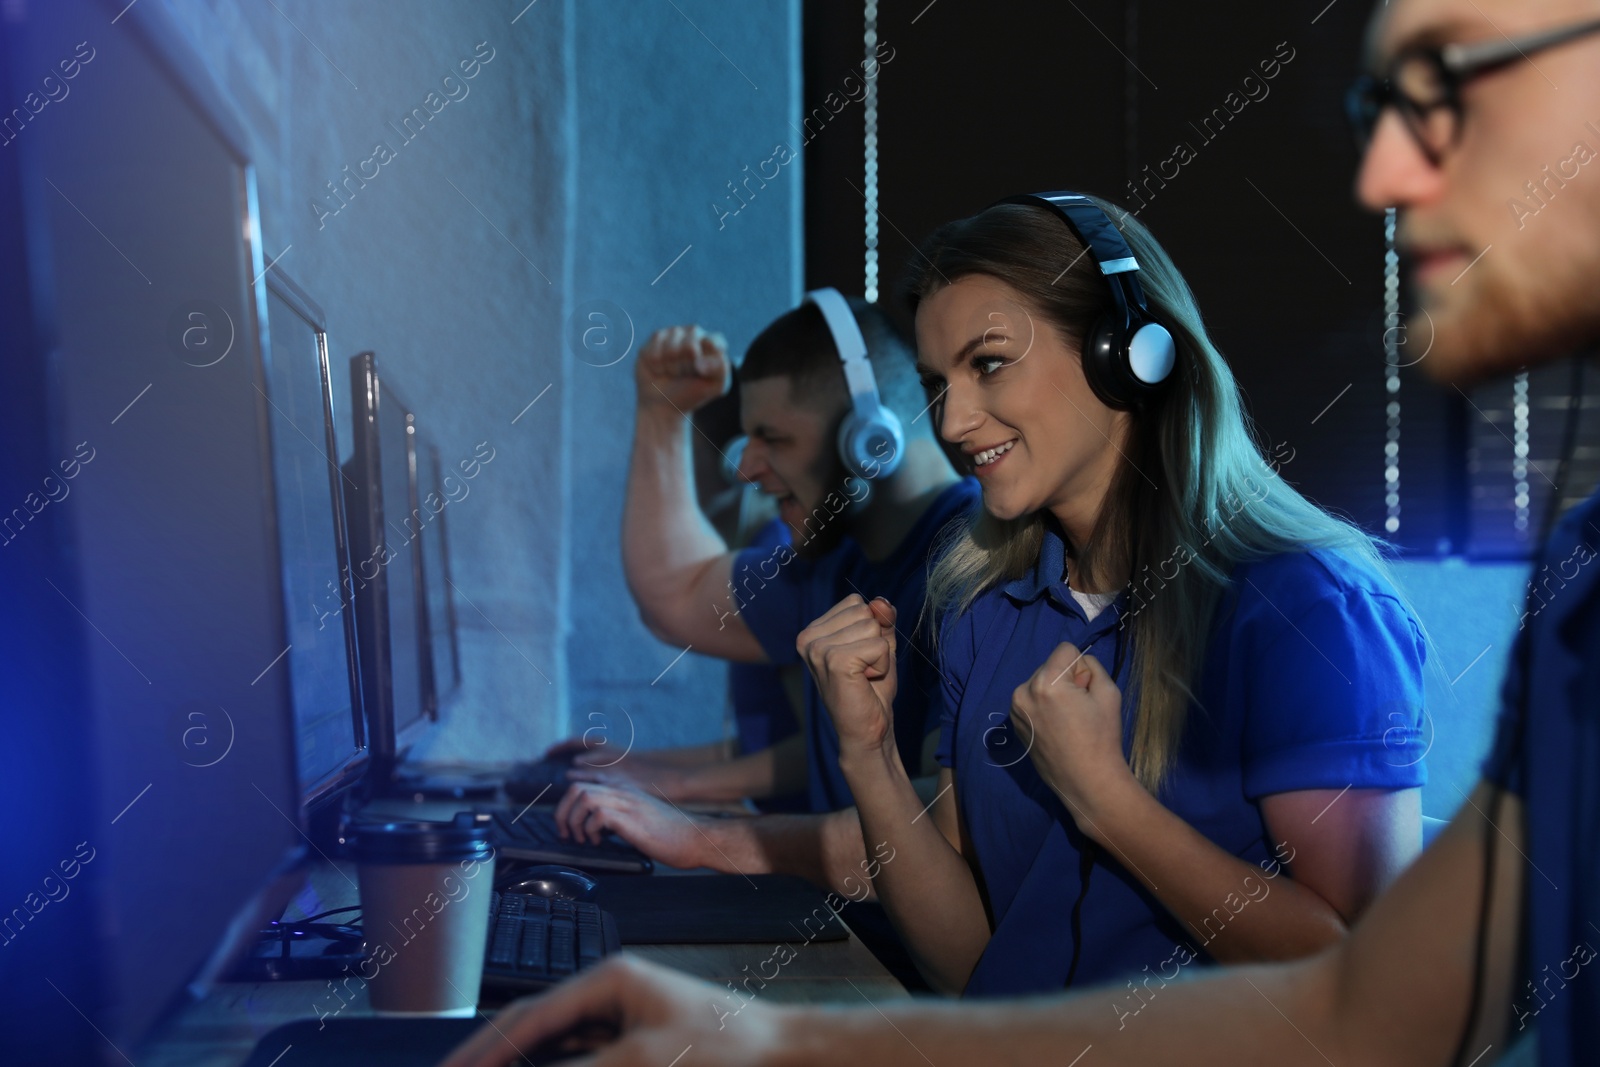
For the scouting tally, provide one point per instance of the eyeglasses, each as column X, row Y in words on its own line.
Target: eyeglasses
column 1424, row 86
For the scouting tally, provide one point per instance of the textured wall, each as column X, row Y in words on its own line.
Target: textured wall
column 578, row 162
column 674, row 102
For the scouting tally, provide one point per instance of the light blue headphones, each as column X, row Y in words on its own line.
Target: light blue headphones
column 871, row 440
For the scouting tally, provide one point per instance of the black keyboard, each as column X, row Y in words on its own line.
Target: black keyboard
column 531, row 835
column 535, row 941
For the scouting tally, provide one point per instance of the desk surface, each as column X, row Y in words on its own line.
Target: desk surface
column 221, row 1029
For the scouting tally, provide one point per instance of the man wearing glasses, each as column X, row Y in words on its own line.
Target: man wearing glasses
column 1492, row 935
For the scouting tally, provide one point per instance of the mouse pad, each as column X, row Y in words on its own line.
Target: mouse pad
column 712, row 909
column 371, row 1042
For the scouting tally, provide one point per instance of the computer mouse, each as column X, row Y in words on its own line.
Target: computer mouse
column 552, row 881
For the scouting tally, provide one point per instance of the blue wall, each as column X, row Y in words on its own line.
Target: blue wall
column 582, row 159
column 663, row 123
column 1470, row 611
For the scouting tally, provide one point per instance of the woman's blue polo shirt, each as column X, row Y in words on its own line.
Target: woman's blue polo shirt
column 1312, row 679
column 781, row 594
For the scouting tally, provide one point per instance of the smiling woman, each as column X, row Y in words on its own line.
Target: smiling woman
column 1238, row 710
column 1132, row 485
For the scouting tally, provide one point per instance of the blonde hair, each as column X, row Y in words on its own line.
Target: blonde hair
column 1195, row 441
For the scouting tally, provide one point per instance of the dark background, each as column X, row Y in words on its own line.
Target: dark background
column 1287, row 268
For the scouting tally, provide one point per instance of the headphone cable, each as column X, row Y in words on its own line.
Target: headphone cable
column 1520, row 726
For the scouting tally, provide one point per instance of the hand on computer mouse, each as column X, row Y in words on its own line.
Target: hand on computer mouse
column 684, row 367
column 641, row 1014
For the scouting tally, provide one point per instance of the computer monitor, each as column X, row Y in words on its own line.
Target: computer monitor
column 330, row 733
column 444, row 655
column 144, row 276
column 385, row 523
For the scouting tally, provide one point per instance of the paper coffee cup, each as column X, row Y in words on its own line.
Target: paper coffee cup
column 425, row 915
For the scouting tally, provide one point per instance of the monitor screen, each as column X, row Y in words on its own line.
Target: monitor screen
column 385, row 525
column 329, row 735
column 401, row 529
column 155, row 364
column 444, row 661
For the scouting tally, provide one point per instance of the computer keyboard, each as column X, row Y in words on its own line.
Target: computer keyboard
column 531, row 835
column 536, row 941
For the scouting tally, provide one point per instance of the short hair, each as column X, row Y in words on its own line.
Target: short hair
column 797, row 345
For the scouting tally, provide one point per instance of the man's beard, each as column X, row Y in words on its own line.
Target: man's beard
column 826, row 524
column 1495, row 330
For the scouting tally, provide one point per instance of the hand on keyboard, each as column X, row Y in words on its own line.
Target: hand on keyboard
column 655, row 827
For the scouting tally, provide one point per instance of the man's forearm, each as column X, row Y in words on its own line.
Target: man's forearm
column 826, row 850
column 664, row 533
column 1226, row 1019
column 690, row 755
column 773, row 771
column 734, row 779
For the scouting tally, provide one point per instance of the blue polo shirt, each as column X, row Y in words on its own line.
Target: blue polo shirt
column 761, row 711
column 1556, row 771
column 781, row 594
column 1312, row 679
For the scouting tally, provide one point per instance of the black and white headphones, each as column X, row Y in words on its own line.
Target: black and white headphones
column 1127, row 354
column 871, row 439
